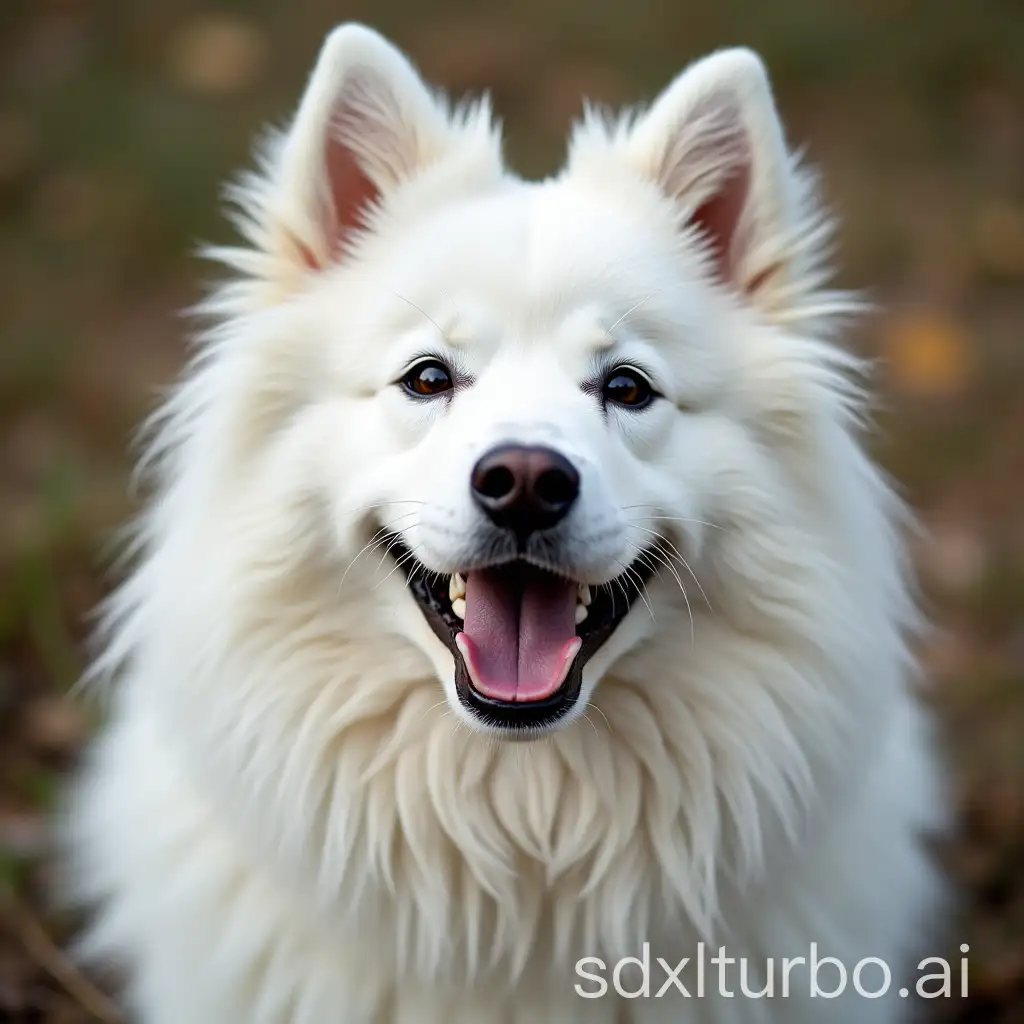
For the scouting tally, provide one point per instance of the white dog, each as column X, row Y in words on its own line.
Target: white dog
column 466, row 461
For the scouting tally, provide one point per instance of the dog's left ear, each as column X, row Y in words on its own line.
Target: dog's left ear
column 714, row 144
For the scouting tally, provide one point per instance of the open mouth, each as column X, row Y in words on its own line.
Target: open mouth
column 520, row 635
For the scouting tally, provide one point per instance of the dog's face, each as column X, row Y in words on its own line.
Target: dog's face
column 547, row 453
column 532, row 398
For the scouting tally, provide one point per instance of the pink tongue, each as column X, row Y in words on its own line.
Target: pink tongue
column 520, row 629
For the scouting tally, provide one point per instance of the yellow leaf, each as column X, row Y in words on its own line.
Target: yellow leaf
column 928, row 354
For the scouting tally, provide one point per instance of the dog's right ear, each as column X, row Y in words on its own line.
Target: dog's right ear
column 366, row 125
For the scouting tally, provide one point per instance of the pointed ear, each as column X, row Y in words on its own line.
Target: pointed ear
column 366, row 125
column 713, row 143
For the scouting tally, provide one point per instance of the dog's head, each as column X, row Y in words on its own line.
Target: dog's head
column 546, row 407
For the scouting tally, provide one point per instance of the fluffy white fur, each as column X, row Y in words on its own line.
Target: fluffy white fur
column 289, row 818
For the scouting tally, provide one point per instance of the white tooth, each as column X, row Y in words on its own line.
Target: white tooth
column 581, row 613
column 583, row 594
column 456, row 587
column 459, row 607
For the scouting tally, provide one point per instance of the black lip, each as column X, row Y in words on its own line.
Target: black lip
column 609, row 606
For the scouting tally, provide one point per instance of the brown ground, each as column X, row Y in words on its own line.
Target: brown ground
column 118, row 119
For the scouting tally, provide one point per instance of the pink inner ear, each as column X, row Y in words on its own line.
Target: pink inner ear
column 350, row 189
column 719, row 218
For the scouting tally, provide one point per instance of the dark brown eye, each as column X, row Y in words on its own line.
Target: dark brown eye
column 628, row 387
column 428, row 379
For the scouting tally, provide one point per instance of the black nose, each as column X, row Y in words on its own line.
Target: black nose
column 525, row 489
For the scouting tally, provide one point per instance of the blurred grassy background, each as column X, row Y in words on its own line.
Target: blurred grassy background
column 118, row 122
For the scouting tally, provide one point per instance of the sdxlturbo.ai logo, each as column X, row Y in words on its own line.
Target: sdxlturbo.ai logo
column 826, row 977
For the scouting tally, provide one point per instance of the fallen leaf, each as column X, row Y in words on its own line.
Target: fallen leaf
column 928, row 354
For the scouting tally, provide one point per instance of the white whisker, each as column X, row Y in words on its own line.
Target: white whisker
column 408, row 556
column 641, row 588
column 440, row 330
column 374, row 542
column 600, row 711
column 652, row 559
column 686, row 566
column 670, row 519
column 630, row 312
column 686, row 598
column 591, row 724
column 679, row 556
column 382, row 504
column 440, row 703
